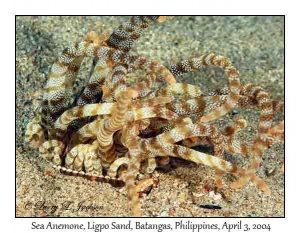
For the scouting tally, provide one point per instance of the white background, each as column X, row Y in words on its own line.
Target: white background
column 8, row 10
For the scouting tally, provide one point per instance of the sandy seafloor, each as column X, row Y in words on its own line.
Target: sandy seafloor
column 255, row 45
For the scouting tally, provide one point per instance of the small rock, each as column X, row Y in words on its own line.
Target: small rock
column 198, row 194
column 181, row 198
column 164, row 214
column 215, row 196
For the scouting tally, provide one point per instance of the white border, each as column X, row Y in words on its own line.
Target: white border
column 171, row 7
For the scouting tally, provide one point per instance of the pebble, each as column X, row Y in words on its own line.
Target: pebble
column 215, row 196
column 182, row 198
column 198, row 194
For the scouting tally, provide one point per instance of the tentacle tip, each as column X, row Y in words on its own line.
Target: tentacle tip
column 161, row 19
column 234, row 186
column 106, row 91
column 167, row 99
column 170, row 79
column 134, row 94
column 219, row 185
column 205, row 119
column 92, row 35
column 267, row 192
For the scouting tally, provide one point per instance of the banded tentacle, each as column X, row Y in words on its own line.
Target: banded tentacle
column 81, row 111
column 34, row 134
column 110, row 125
column 92, row 92
column 125, row 36
column 218, row 61
column 58, row 89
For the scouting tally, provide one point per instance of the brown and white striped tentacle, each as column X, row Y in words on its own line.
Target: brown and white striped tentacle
column 125, row 36
column 155, row 101
column 261, row 143
column 109, row 126
column 231, row 72
column 136, row 63
column 34, row 134
column 113, row 169
column 232, row 144
column 276, row 134
column 83, row 157
column 52, row 150
column 219, row 164
column 90, row 130
column 265, row 105
column 130, row 139
column 92, row 92
column 133, row 168
column 58, row 89
column 116, row 83
column 81, row 111
column 180, row 89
